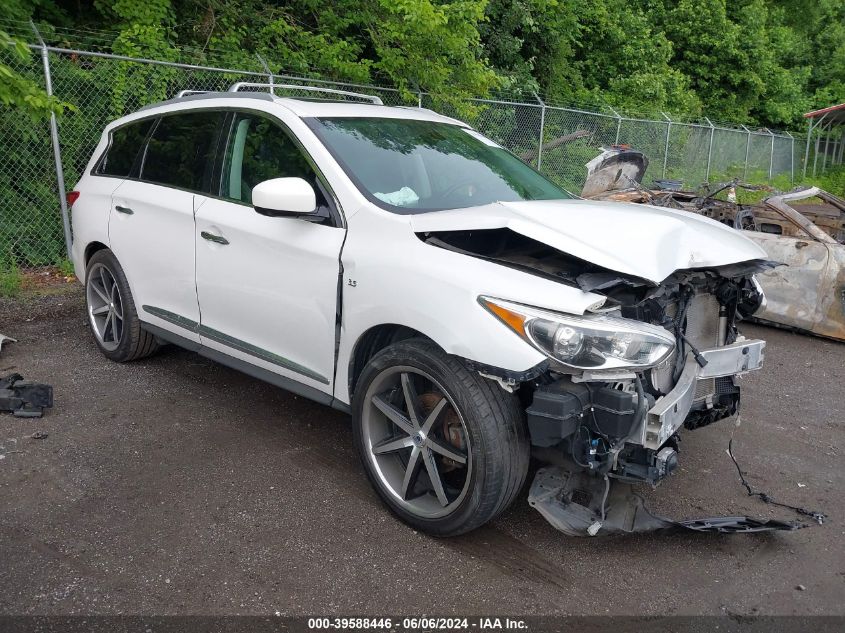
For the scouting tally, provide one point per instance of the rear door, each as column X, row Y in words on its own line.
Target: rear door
column 268, row 286
column 151, row 228
column 91, row 211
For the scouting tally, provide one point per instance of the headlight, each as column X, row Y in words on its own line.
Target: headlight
column 585, row 342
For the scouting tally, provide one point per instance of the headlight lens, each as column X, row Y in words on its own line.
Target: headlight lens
column 585, row 342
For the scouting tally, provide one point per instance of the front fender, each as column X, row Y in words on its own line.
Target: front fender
column 399, row 279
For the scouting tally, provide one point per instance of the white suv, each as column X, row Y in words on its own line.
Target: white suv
column 397, row 265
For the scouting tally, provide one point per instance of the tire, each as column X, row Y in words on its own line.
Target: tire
column 479, row 422
column 112, row 316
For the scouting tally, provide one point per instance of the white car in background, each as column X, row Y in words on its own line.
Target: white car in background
column 397, row 265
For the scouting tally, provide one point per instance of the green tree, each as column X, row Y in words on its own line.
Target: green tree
column 21, row 93
column 760, row 61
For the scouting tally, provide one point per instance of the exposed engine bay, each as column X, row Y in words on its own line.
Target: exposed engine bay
column 594, row 428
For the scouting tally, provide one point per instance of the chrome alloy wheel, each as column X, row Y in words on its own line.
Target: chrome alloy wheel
column 105, row 306
column 417, row 442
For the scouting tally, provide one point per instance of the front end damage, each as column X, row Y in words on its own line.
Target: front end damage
column 601, row 432
column 595, row 429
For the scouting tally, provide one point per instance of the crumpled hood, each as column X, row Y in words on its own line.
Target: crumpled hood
column 634, row 239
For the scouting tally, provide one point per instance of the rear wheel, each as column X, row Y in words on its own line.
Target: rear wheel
column 111, row 311
column 446, row 449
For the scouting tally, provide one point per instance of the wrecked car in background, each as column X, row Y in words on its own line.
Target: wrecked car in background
column 803, row 229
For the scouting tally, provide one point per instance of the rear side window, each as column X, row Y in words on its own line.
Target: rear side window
column 180, row 152
column 126, row 143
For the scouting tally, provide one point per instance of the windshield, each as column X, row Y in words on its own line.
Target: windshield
column 409, row 166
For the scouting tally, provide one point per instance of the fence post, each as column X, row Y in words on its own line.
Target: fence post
column 709, row 149
column 747, row 150
column 826, row 149
column 807, row 147
column 826, row 133
column 419, row 99
column 771, row 153
column 542, row 131
column 666, row 145
column 57, row 150
column 818, row 139
column 618, row 124
column 791, row 158
column 269, row 73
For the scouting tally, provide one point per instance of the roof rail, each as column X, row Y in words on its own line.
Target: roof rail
column 245, row 84
column 185, row 93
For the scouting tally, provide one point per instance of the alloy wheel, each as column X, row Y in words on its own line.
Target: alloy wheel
column 417, row 442
column 105, row 306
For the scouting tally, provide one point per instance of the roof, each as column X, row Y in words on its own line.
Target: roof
column 834, row 114
column 305, row 108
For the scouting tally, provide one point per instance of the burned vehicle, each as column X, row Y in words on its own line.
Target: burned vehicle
column 802, row 229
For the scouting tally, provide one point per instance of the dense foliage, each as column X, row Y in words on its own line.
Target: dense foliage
column 762, row 61
column 18, row 91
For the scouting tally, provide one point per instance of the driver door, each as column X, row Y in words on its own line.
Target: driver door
column 267, row 286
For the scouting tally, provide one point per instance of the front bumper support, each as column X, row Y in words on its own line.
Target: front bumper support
column 670, row 411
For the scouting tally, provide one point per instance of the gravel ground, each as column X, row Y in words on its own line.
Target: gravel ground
column 174, row 485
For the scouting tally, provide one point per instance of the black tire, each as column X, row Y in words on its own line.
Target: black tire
column 494, row 422
column 134, row 341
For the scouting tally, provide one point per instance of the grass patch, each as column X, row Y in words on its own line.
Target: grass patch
column 11, row 281
column 66, row 268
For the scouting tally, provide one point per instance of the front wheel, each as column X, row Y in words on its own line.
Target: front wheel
column 446, row 449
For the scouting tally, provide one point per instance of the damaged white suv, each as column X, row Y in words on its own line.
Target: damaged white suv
column 398, row 265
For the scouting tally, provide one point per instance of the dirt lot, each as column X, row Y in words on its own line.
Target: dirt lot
column 176, row 486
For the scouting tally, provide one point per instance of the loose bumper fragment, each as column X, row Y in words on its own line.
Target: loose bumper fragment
column 24, row 399
column 578, row 504
column 3, row 339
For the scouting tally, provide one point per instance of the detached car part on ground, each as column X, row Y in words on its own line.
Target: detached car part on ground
column 803, row 229
column 396, row 264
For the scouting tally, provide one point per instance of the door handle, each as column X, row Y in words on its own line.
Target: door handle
column 211, row 237
column 125, row 210
column 801, row 244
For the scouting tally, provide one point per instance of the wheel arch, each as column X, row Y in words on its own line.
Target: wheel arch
column 372, row 341
column 90, row 249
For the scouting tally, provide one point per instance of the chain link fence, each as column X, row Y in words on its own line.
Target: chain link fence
column 558, row 141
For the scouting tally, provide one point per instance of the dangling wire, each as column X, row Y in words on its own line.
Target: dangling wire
column 818, row 517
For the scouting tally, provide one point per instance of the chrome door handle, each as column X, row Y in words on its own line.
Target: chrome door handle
column 211, row 237
column 125, row 210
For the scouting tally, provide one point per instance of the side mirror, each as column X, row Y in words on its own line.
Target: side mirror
column 284, row 197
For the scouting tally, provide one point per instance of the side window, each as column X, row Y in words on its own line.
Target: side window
column 126, row 143
column 260, row 150
column 181, row 150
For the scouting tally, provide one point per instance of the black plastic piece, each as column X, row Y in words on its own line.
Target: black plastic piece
column 559, row 408
column 613, row 411
column 725, row 404
column 24, row 399
column 738, row 525
column 556, row 412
